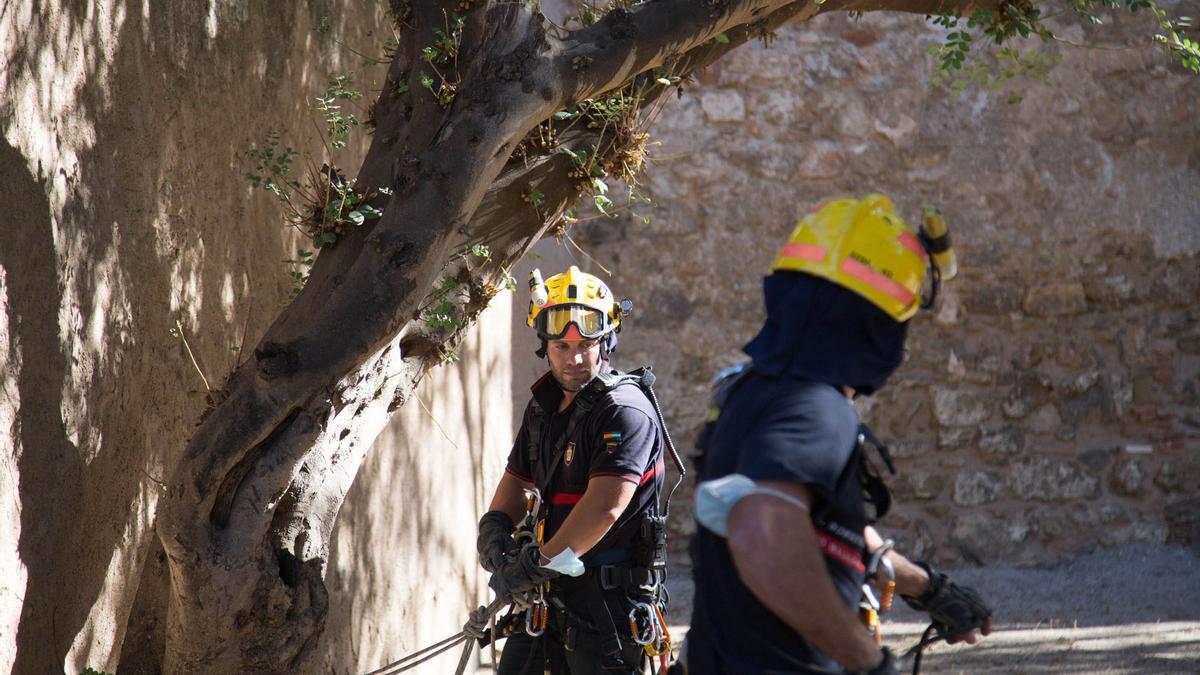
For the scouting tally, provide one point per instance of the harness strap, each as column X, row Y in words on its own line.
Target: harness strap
column 583, row 404
column 875, row 490
column 633, row 580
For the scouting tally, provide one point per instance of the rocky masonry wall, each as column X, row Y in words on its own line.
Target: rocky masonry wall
column 1051, row 403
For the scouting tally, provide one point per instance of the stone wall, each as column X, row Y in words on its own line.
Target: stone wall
column 1051, row 403
column 124, row 128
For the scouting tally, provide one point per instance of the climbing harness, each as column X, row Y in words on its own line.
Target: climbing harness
column 648, row 625
column 643, row 580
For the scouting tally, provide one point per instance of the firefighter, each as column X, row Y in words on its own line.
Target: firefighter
column 591, row 444
column 787, row 493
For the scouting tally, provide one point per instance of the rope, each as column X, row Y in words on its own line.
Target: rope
column 395, row 667
column 466, row 637
column 927, row 638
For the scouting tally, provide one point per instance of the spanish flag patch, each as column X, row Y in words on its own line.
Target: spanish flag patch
column 612, row 439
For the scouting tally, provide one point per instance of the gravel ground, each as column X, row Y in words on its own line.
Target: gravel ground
column 1133, row 609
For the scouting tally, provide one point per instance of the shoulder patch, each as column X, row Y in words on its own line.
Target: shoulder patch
column 612, row 439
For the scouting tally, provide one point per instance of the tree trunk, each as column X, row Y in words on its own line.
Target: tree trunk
column 248, row 518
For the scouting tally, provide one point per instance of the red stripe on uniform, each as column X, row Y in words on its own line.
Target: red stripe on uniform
column 631, row 477
column 661, row 466
column 518, row 476
column 841, row 552
column 565, row 498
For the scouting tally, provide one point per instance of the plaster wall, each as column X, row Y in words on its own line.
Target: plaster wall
column 125, row 127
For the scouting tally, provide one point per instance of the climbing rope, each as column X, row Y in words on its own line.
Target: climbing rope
column 930, row 636
column 472, row 630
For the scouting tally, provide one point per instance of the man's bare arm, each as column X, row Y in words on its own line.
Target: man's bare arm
column 602, row 504
column 910, row 579
column 776, row 552
column 510, row 497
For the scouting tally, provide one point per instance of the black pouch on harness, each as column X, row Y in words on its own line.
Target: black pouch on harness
column 650, row 549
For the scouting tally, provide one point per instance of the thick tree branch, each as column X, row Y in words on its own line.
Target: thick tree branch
column 627, row 42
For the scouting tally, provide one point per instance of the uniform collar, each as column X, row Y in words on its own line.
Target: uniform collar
column 547, row 393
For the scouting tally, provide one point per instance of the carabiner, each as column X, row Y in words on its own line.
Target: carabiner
column 662, row 642
column 537, row 614
column 533, row 508
column 535, row 619
column 648, row 634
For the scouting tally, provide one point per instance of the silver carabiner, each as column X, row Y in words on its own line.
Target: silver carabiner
column 533, row 497
column 535, row 619
column 649, row 634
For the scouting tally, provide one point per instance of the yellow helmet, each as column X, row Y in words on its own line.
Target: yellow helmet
column 865, row 246
column 573, row 297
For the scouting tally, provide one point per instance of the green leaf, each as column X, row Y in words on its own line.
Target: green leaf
column 721, row 38
column 356, row 217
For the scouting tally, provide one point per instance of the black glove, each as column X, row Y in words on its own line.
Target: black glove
column 520, row 574
column 495, row 540
column 890, row 665
column 955, row 610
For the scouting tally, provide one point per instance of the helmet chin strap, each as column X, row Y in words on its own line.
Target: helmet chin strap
column 608, row 345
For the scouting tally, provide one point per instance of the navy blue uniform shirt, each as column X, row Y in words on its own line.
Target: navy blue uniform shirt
column 619, row 437
column 787, row 429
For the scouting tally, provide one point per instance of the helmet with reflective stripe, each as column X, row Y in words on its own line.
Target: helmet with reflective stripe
column 866, row 247
column 573, row 298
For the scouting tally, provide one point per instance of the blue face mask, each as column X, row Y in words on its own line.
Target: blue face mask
column 566, row 563
column 716, row 498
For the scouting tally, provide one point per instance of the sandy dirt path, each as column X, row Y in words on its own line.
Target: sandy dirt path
column 1133, row 609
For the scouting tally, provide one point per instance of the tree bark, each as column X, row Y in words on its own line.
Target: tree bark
column 249, row 514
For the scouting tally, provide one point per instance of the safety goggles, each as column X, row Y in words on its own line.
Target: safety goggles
column 552, row 323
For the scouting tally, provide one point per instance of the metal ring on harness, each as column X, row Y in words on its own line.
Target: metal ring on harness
column 535, row 619
column 649, row 634
column 662, row 641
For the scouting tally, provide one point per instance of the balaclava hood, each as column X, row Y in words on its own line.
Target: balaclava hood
column 820, row 331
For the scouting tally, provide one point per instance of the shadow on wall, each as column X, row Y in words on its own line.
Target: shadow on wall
column 50, row 518
column 126, row 211
column 403, row 570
